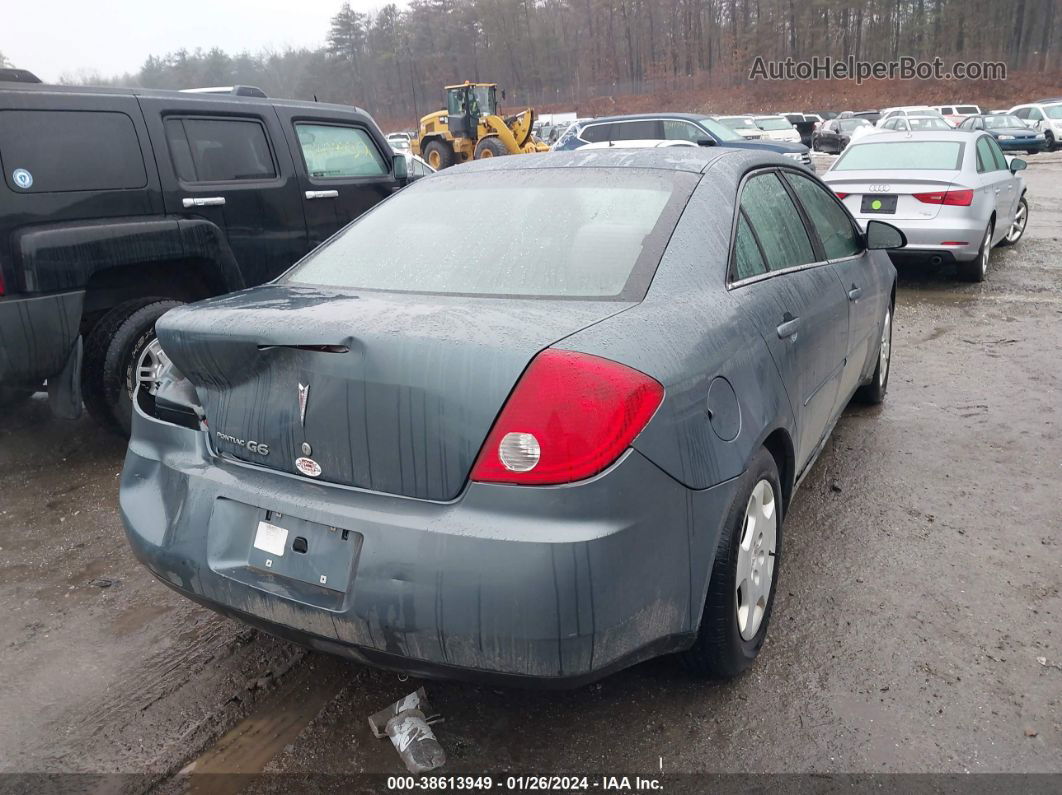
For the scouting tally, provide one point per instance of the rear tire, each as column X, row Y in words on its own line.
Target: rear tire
column 439, row 154
column 729, row 639
column 976, row 269
column 490, row 147
column 113, row 352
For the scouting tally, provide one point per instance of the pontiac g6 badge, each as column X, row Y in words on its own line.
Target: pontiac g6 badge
column 308, row 467
column 304, row 396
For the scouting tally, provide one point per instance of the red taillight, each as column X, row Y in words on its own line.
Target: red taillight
column 2, row 283
column 570, row 416
column 953, row 198
column 840, row 195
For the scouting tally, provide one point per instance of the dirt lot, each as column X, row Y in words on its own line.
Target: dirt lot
column 917, row 627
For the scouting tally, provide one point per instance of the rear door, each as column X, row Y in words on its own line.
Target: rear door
column 343, row 168
column 226, row 162
column 839, row 241
column 996, row 182
column 1009, row 187
column 795, row 300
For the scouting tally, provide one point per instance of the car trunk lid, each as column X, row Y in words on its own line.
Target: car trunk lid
column 857, row 184
column 382, row 391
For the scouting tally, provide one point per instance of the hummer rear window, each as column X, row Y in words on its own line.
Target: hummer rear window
column 48, row 151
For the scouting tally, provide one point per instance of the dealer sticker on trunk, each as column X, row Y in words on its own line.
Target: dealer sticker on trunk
column 271, row 539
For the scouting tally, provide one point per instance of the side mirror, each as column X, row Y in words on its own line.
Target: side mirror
column 883, row 236
column 401, row 167
column 705, row 142
column 1017, row 164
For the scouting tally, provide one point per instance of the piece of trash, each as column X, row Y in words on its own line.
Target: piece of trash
column 407, row 723
column 1030, row 732
column 1043, row 661
column 102, row 582
column 835, row 485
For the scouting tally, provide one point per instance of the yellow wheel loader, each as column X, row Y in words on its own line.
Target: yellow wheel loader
column 470, row 128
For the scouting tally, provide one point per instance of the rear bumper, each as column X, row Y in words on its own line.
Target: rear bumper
column 925, row 238
column 544, row 586
column 37, row 334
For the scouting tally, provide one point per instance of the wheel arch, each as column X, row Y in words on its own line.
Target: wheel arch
column 780, row 445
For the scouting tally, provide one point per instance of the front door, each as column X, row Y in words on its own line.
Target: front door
column 343, row 169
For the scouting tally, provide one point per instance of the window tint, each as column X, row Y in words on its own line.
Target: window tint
column 636, row 130
column 596, row 133
column 1022, row 113
column 829, row 219
column 748, row 261
column 776, row 222
column 335, row 151
column 997, row 155
column 985, row 160
column 53, row 150
column 676, row 130
column 219, row 150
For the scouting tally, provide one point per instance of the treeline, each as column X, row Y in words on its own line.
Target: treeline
column 395, row 61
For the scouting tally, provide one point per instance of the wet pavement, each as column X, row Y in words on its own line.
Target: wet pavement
column 916, row 627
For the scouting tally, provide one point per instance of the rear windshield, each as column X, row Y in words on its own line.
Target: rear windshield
column 1003, row 122
column 565, row 233
column 773, row 124
column 905, row 155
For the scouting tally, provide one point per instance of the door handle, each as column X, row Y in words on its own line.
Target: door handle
column 204, row 201
column 789, row 327
column 322, row 194
column 855, row 293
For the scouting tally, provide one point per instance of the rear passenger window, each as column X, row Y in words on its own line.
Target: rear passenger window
column 645, row 129
column 595, row 133
column 219, row 150
column 985, row 160
column 997, row 154
column 839, row 238
column 748, row 261
column 774, row 218
column 334, row 151
column 58, row 150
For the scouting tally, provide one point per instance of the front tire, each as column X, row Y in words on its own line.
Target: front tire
column 1049, row 138
column 744, row 577
column 120, row 350
column 874, row 392
column 1017, row 226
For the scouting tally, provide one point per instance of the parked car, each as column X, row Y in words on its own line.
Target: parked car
column 651, row 143
column 1044, row 117
column 907, row 110
column 525, row 491
column 870, row 115
column 805, row 125
column 744, row 126
column 116, row 205
column 953, row 193
column 416, row 166
column 835, row 134
column 777, row 128
column 914, row 124
column 955, row 114
column 400, row 142
column 702, row 130
column 1010, row 132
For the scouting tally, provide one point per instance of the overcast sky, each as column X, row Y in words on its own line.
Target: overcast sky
column 53, row 37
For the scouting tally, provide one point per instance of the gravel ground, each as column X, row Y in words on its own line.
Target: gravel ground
column 916, row 628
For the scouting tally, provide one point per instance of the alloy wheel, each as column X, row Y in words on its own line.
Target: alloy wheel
column 152, row 365
column 986, row 248
column 885, row 354
column 755, row 560
column 1021, row 217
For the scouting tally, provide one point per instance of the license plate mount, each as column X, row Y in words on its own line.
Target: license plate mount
column 313, row 553
column 884, row 204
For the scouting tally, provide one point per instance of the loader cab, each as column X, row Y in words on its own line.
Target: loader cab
column 466, row 104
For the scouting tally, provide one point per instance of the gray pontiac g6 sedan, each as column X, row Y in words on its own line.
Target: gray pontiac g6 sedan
column 532, row 418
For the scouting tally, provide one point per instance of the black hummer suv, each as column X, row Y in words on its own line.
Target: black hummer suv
column 116, row 205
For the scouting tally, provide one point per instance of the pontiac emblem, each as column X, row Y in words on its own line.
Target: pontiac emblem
column 304, row 396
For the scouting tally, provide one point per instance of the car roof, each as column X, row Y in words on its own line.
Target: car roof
column 159, row 93
column 650, row 116
column 921, row 135
column 692, row 159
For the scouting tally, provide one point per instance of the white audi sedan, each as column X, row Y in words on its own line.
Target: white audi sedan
column 953, row 193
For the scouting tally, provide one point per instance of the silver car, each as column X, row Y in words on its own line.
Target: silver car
column 953, row 193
